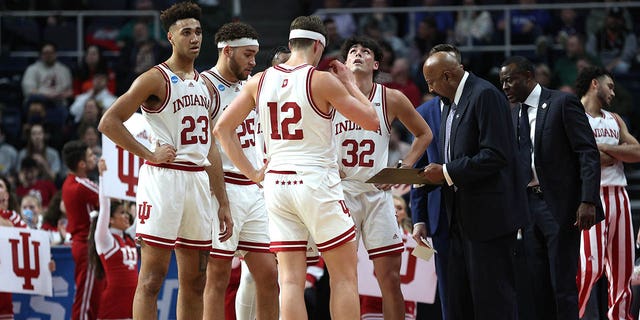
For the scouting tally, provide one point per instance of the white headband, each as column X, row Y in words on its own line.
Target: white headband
column 238, row 43
column 307, row 34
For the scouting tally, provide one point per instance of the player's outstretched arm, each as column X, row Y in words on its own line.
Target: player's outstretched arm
column 400, row 107
column 144, row 89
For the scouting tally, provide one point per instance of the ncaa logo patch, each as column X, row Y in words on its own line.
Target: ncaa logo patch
column 220, row 87
column 174, row 79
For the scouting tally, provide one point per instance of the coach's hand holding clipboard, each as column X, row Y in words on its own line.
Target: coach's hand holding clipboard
column 404, row 175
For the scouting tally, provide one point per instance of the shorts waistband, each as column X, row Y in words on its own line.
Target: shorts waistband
column 237, row 178
column 282, row 172
column 182, row 166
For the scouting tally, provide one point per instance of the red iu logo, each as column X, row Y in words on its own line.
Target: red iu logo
column 285, row 82
column 128, row 176
column 345, row 210
column 144, row 211
column 26, row 271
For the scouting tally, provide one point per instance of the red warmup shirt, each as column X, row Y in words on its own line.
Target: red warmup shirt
column 80, row 196
column 121, row 270
column 45, row 188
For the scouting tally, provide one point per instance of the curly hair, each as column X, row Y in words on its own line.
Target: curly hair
column 365, row 42
column 311, row 23
column 583, row 81
column 235, row 30
column 179, row 11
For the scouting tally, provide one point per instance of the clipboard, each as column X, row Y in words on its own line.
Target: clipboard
column 399, row 176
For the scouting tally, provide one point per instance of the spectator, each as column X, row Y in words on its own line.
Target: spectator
column 473, row 27
column 568, row 23
column 31, row 181
column 442, row 20
column 8, row 155
column 93, row 63
column 597, row 17
column 91, row 113
column 138, row 56
column 8, row 201
column 31, row 208
column 384, row 69
column 90, row 135
column 427, row 36
column 334, row 40
column 46, row 156
column 8, row 218
column 543, row 75
column 99, row 93
column 54, row 220
column 401, row 80
column 527, row 25
column 36, row 113
column 565, row 68
column 49, row 81
column 375, row 31
column 126, row 34
column 615, row 45
column 345, row 23
column 385, row 21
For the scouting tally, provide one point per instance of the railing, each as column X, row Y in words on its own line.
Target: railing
column 507, row 47
column 80, row 26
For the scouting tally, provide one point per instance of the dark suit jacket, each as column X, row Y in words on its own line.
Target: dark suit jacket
column 566, row 157
column 425, row 204
column 489, row 198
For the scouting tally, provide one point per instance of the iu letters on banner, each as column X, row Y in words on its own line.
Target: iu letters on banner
column 24, row 261
column 123, row 167
column 417, row 277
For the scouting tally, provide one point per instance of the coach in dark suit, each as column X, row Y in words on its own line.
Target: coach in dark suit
column 429, row 217
column 482, row 192
column 560, row 160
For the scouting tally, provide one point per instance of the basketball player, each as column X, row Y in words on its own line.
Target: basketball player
column 80, row 197
column 608, row 246
column 174, row 191
column 237, row 48
column 362, row 154
column 302, row 188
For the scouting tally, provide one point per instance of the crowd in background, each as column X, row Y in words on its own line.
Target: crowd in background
column 61, row 100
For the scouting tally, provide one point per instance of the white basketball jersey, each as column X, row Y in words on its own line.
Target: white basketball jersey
column 296, row 133
column 363, row 153
column 606, row 130
column 246, row 131
column 183, row 119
